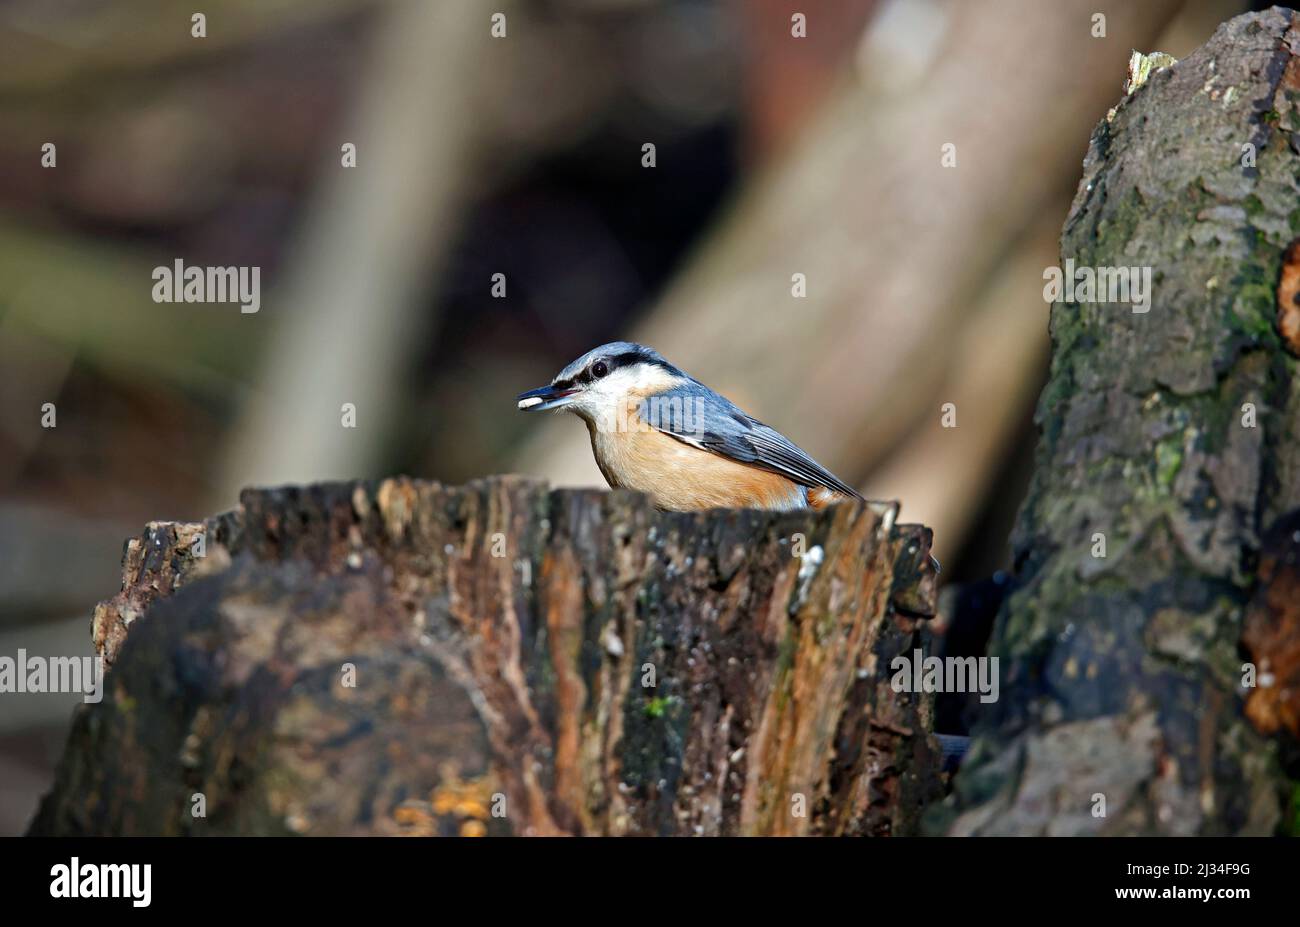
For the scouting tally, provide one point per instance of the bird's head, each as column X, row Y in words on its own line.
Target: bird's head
column 599, row 384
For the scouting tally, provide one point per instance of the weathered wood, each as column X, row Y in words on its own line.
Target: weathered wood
column 575, row 661
column 1123, row 679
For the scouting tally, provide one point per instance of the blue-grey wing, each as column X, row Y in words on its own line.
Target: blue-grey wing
column 696, row 415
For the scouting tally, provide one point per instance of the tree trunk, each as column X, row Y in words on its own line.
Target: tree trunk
column 405, row 657
column 1170, row 443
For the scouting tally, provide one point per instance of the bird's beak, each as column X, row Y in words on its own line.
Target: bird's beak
column 545, row 397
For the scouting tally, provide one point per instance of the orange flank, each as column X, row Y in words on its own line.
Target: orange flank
column 681, row 477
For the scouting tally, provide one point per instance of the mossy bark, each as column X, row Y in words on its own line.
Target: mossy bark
column 404, row 657
column 1173, row 438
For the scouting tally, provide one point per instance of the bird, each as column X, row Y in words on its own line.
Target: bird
column 659, row 431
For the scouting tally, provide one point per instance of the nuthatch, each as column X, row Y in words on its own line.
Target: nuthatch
column 656, row 430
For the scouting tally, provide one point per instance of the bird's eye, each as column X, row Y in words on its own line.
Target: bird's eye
column 599, row 369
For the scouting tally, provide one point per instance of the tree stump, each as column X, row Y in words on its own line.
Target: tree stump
column 408, row 658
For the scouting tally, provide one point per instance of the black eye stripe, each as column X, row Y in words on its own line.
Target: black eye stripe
column 615, row 362
column 627, row 359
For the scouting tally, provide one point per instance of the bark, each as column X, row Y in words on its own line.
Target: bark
column 1122, row 679
column 525, row 661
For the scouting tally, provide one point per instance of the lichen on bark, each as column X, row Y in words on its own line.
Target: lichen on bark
column 1122, row 681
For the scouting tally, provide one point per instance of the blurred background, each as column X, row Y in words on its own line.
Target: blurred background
column 523, row 156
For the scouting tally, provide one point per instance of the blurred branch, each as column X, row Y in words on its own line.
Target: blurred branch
column 941, row 473
column 37, row 544
column 351, row 310
column 94, row 298
column 46, row 46
column 64, row 637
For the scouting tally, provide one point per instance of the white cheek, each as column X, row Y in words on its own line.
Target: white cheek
column 609, row 395
column 597, row 408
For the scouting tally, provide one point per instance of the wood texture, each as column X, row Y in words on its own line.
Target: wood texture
column 1175, row 436
column 526, row 662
